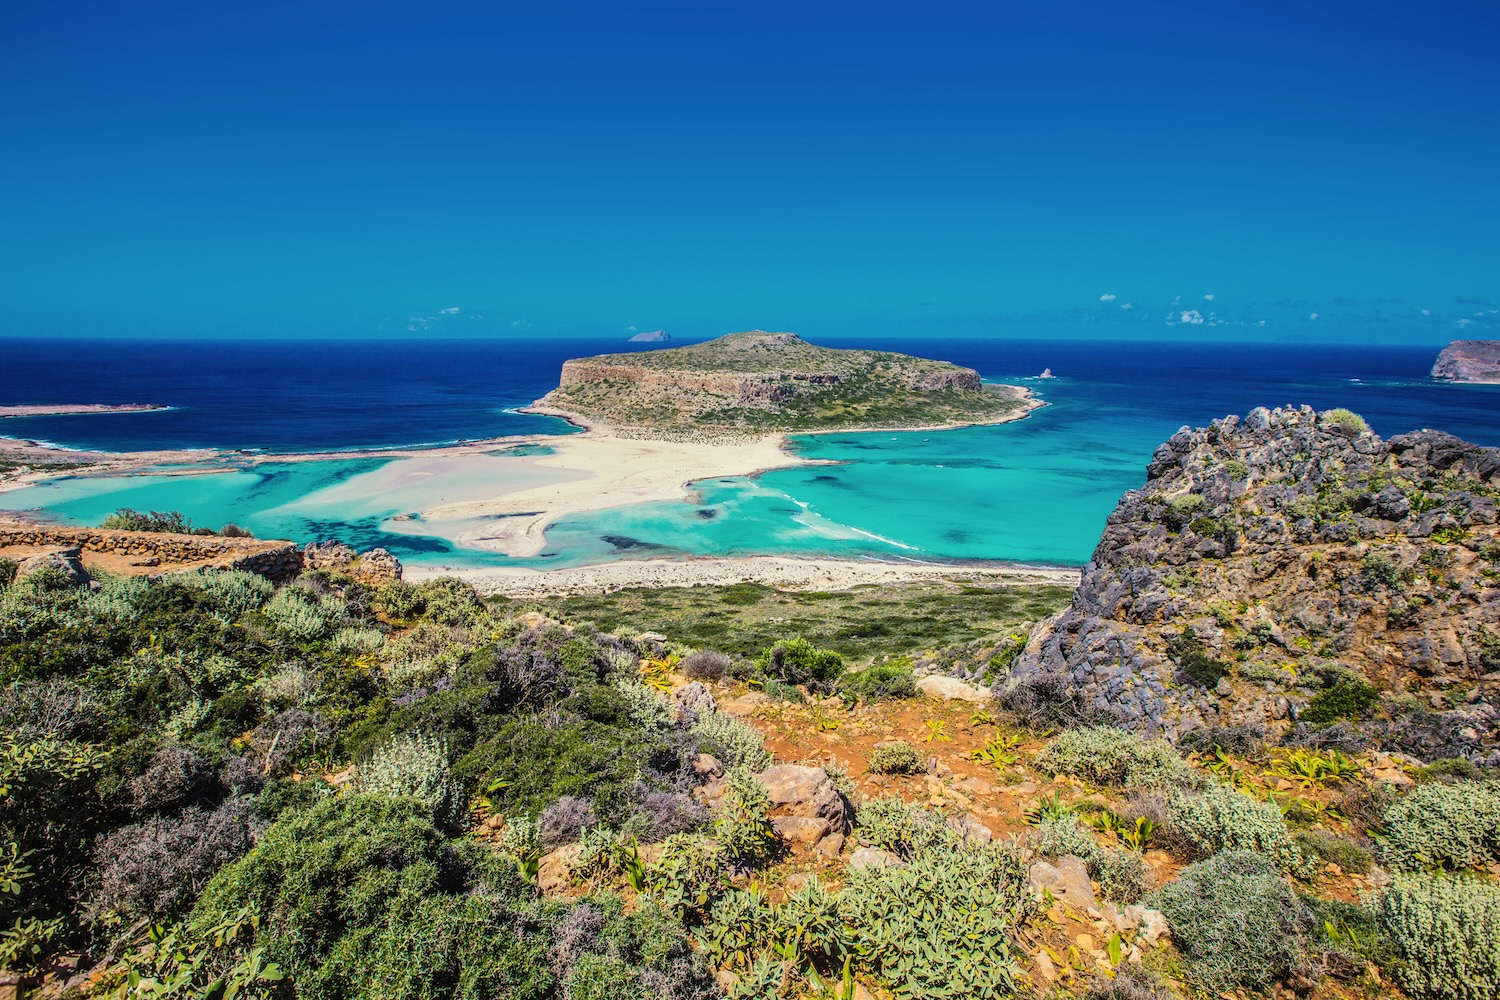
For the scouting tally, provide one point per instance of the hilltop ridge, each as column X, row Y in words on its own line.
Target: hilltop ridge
column 762, row 382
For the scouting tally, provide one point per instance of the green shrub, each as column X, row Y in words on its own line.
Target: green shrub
column 1180, row 510
column 1447, row 931
column 1344, row 420
column 1238, row 470
column 941, row 925
column 1335, row 850
column 8, row 569
column 297, row 615
column 908, row 831
column 879, row 682
column 1221, row 819
column 1349, row 698
column 415, row 766
column 234, row 592
column 1104, row 755
column 397, row 600
column 798, row 661
column 168, row 521
column 1059, row 835
column 1443, row 826
column 1446, row 767
column 1236, row 920
column 741, row 827
column 1379, row 569
column 897, row 757
column 734, row 743
column 1193, row 659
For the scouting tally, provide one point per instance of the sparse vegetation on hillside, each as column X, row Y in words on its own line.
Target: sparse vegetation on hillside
column 756, row 383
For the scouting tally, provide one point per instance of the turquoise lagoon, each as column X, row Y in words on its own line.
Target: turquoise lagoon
column 1037, row 490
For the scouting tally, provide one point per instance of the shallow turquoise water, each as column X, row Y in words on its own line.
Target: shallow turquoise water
column 1037, row 490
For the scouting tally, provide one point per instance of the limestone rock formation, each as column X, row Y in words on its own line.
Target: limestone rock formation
column 757, row 382
column 651, row 337
column 805, row 805
column 371, row 568
column 1284, row 561
column 1469, row 361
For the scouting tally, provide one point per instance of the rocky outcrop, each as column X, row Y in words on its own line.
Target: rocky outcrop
column 1469, row 361
column 806, row 808
column 651, row 337
column 371, row 568
column 1273, row 559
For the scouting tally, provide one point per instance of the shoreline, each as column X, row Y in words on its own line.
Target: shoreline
column 72, row 409
column 782, row 572
column 593, row 470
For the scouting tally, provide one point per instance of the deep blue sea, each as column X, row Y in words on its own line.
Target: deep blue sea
column 1037, row 490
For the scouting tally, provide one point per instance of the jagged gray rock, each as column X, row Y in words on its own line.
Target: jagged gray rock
column 1292, row 550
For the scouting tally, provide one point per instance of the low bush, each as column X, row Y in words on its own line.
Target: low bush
column 415, row 766
column 942, row 924
column 1220, row 819
column 1236, row 920
column 1347, row 699
column 706, row 665
column 741, row 826
column 153, row 868
column 907, row 831
column 1447, row 932
column 1330, row 849
column 798, row 661
column 1104, row 755
column 1344, row 420
column 564, row 821
column 896, row 757
column 296, row 615
column 880, row 682
column 1443, row 826
column 8, row 569
column 1121, row 874
column 733, row 742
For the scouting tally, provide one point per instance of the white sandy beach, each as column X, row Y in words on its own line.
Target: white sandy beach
column 603, row 472
column 777, row 571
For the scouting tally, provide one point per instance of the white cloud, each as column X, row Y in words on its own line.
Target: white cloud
column 1108, row 297
column 1209, row 297
column 450, row 311
column 1191, row 317
column 517, row 324
column 1312, row 315
column 631, row 328
column 1466, row 321
column 1425, row 312
column 1126, row 305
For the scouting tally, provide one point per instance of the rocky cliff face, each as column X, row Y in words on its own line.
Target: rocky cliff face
column 1292, row 565
column 1469, row 361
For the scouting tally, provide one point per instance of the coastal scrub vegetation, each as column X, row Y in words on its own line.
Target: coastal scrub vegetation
column 165, row 521
column 211, row 785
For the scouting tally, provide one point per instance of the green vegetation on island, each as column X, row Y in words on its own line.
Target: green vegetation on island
column 757, row 383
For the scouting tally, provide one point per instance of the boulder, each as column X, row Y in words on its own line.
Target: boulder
column 873, row 857
column 949, row 689
column 802, row 792
column 1067, row 880
column 68, row 562
column 692, row 701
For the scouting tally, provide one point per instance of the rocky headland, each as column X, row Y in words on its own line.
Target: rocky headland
column 1292, row 568
column 1469, row 361
column 68, row 409
column 759, row 383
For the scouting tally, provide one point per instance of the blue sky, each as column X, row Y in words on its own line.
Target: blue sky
column 317, row 169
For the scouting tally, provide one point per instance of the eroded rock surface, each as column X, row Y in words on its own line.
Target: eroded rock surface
column 1272, row 558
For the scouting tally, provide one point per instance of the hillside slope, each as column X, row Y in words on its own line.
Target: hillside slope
column 759, row 382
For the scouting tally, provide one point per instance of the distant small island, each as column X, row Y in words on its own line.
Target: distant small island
column 651, row 337
column 69, row 409
column 1469, row 361
column 757, row 383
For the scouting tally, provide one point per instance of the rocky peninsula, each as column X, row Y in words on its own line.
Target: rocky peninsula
column 69, row 409
column 1287, row 569
column 1469, row 361
column 757, row 383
